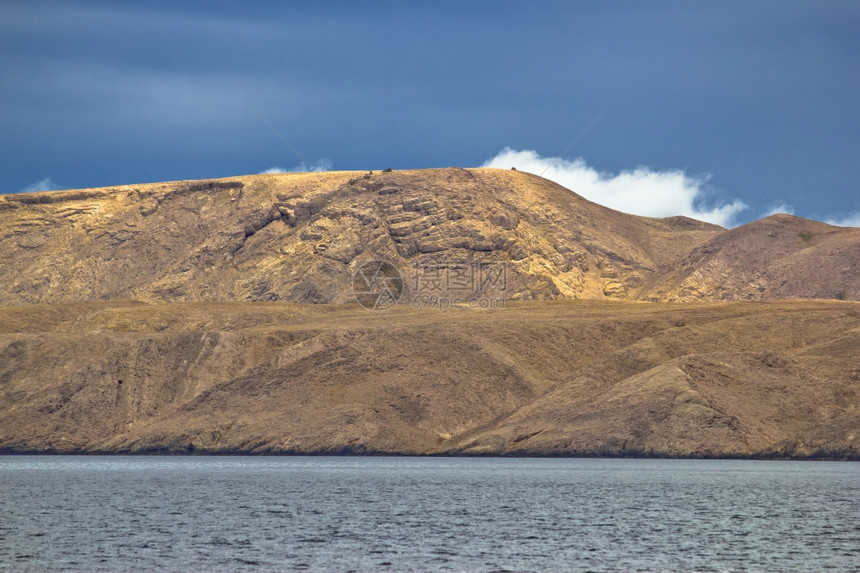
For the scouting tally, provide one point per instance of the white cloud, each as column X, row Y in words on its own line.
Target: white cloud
column 46, row 184
column 640, row 191
column 778, row 207
column 319, row 165
column 851, row 220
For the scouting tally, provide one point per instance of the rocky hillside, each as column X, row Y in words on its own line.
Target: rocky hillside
column 174, row 317
column 743, row 379
column 301, row 237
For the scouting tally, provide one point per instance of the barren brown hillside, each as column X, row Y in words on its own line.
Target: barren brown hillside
column 300, row 238
column 220, row 317
column 774, row 379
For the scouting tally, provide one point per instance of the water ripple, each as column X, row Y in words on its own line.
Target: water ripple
column 410, row 514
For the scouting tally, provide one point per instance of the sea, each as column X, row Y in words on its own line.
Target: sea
column 426, row 514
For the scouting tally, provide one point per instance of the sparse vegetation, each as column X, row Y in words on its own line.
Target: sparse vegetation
column 551, row 378
column 214, row 185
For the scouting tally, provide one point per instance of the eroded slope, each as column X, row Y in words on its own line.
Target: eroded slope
column 561, row 378
column 300, row 238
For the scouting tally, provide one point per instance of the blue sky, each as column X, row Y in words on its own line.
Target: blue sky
column 725, row 110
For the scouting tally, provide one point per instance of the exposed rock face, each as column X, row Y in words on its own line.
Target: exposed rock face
column 300, row 237
column 540, row 378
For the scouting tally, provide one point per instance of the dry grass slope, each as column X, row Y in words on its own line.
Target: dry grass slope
column 540, row 378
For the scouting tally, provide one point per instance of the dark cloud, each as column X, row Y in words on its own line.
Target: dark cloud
column 762, row 95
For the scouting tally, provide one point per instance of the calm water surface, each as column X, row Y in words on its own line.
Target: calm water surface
column 339, row 514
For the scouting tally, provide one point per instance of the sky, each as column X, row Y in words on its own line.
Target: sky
column 722, row 110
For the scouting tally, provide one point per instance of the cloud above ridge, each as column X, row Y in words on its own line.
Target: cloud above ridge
column 325, row 164
column 844, row 220
column 850, row 220
column 640, row 191
column 778, row 207
column 46, row 184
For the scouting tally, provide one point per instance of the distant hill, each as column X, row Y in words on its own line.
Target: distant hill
column 300, row 238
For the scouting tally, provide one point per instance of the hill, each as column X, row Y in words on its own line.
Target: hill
column 221, row 317
column 743, row 379
column 301, row 237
